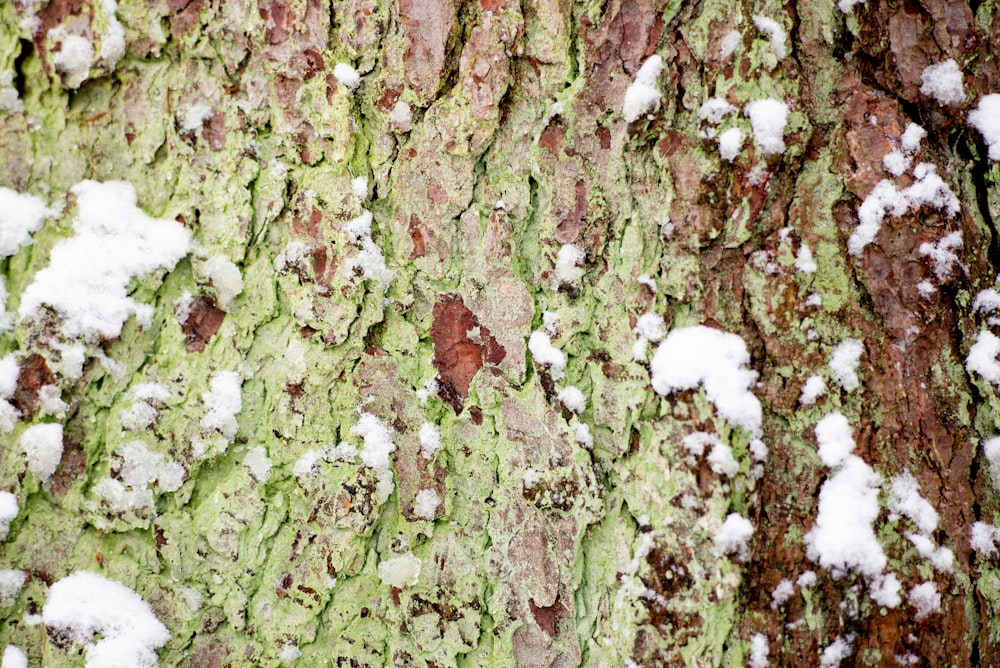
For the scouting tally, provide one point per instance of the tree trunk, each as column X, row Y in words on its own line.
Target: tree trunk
column 377, row 205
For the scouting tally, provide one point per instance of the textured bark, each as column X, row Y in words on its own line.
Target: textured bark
column 544, row 551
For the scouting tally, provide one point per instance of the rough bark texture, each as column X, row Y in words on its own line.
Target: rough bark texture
column 543, row 552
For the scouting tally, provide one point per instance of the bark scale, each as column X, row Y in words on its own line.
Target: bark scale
column 491, row 134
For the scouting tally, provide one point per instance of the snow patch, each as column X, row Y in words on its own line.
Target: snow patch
column 986, row 119
column 400, row 572
column 642, row 96
column 771, row 28
column 733, row 536
column 844, row 363
column 347, row 76
column 43, row 446
column 943, row 82
column 224, row 402
column 88, row 275
column 116, row 627
column 768, row 119
column 715, row 360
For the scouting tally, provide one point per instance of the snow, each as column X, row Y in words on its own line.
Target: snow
column 733, row 536
column 647, row 280
column 911, row 138
column 289, row 653
column 927, row 189
column 942, row 255
column 925, row 599
column 941, row 558
column 426, row 504
column 729, row 43
column 195, row 117
column 546, row 354
column 20, row 216
column 650, row 326
column 983, row 538
column 844, row 363
column 11, row 581
column 715, row 109
column 112, row 37
column 568, row 271
column 88, row 275
column 885, row 590
column 842, row 537
column 226, row 279
column 845, row 5
column 73, row 60
column 430, row 440
column 8, row 511
column 771, row 28
column 943, row 82
column 642, row 96
column 905, row 500
column 347, row 76
column 730, row 143
column 9, row 373
column 986, row 119
column 258, row 462
column 814, row 388
column 807, row 579
column 50, row 402
column 550, row 323
column 430, row 387
column 400, row 572
column 142, row 467
column 84, row 605
column 371, row 261
column 9, row 98
column 43, row 446
column 804, row 260
column 224, row 402
column 836, row 443
column 583, row 435
column 142, row 413
column 702, row 356
column 722, row 461
column 986, row 301
column 759, row 650
column 360, row 227
column 782, row 593
column 359, row 186
column 982, row 357
column 573, row 399
column 768, row 119
column 14, row 657
column 401, row 116
column 377, row 440
column 840, row 648
column 695, row 443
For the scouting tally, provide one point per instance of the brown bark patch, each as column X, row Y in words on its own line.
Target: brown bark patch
column 202, row 323
column 547, row 617
column 214, row 130
column 427, row 24
column 276, row 16
column 461, row 347
column 34, row 375
column 73, row 463
column 185, row 14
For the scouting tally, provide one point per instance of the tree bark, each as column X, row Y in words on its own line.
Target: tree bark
column 490, row 138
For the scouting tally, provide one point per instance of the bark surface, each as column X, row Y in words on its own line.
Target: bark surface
column 488, row 135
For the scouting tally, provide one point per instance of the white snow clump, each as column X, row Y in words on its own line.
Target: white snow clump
column 85, row 605
column 642, row 96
